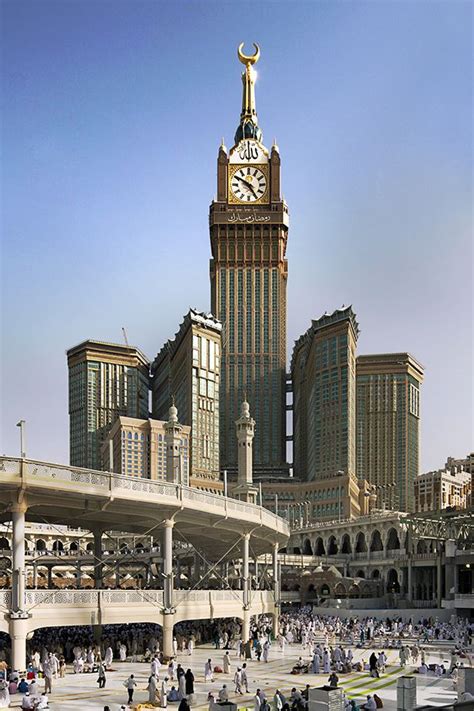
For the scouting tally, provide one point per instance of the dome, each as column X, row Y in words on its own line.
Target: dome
column 245, row 409
column 173, row 413
column 248, row 129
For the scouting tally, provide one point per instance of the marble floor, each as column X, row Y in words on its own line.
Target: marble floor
column 80, row 691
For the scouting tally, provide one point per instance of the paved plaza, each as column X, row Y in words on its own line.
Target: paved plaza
column 80, row 691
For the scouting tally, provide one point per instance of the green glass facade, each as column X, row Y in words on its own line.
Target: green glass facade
column 105, row 381
column 323, row 375
column 388, row 420
column 251, row 303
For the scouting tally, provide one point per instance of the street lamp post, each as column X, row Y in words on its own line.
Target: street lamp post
column 22, row 425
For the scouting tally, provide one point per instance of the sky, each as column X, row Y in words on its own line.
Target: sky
column 112, row 115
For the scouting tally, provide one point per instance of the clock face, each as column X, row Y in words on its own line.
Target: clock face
column 248, row 184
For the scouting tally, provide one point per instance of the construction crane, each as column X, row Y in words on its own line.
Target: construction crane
column 125, row 336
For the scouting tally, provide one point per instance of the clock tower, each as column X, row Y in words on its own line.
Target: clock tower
column 248, row 228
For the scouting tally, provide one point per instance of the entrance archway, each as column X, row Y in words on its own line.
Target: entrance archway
column 393, row 585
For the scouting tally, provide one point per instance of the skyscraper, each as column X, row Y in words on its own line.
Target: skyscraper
column 248, row 271
column 187, row 369
column 106, row 380
column 323, row 370
column 388, row 425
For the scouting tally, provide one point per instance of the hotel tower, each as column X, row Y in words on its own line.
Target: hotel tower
column 248, row 270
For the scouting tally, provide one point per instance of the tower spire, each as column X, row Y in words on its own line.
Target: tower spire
column 248, row 127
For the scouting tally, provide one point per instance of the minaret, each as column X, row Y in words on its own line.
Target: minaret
column 174, row 456
column 245, row 426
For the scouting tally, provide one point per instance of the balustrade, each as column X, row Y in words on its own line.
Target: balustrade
column 113, row 484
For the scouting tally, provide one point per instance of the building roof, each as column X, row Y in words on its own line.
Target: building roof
column 194, row 317
column 395, row 362
column 91, row 346
column 345, row 313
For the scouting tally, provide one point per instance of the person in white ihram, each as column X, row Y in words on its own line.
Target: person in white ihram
column 109, row 655
column 208, row 675
column 164, row 693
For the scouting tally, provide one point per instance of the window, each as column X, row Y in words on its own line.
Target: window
column 204, row 353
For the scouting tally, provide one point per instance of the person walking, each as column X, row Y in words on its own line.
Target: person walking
column 181, row 682
column 278, row 701
column 238, row 681
column 189, row 676
column 245, row 681
column 152, row 688
column 208, row 674
column 48, row 676
column 101, row 679
column 257, row 701
column 373, row 664
column 130, row 685
column 227, row 663
column 164, row 693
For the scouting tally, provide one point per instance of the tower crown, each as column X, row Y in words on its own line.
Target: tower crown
column 248, row 127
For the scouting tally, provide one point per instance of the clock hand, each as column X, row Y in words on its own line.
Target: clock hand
column 249, row 185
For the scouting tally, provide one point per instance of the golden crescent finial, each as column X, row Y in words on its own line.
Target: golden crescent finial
column 245, row 59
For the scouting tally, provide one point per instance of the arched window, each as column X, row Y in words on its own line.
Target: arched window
column 346, row 544
column 393, row 541
column 376, row 541
column 319, row 547
column 361, row 544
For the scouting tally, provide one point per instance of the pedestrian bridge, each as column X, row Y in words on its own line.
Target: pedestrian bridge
column 57, row 494
column 58, row 608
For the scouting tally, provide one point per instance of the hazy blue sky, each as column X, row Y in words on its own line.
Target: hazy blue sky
column 112, row 116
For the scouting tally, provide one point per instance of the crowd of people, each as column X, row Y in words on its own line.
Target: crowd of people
column 328, row 645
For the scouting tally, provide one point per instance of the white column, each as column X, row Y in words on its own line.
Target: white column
column 246, row 626
column 167, row 570
column 18, row 555
column 168, row 624
column 18, row 628
column 245, row 569
column 276, row 590
column 167, row 556
column 17, row 625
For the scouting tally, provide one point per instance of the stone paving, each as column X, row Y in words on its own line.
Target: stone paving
column 80, row 691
